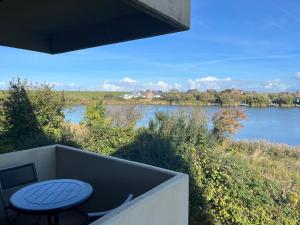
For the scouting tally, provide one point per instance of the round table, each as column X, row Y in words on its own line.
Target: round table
column 51, row 197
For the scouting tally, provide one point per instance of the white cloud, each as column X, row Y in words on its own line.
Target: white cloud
column 212, row 79
column 2, row 84
column 202, row 84
column 58, row 84
column 297, row 75
column 125, row 84
column 128, row 80
column 177, row 86
column 209, row 82
column 149, row 84
column 275, row 85
column 64, row 86
column 109, row 86
column 162, row 86
column 128, row 84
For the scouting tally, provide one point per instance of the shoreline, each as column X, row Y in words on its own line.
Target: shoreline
column 166, row 103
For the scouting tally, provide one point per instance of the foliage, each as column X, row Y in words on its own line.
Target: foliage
column 30, row 116
column 228, row 97
column 277, row 162
column 227, row 122
column 124, row 116
column 241, row 184
column 238, row 194
column 87, row 97
column 100, row 133
column 95, row 116
column 225, row 188
column 232, row 97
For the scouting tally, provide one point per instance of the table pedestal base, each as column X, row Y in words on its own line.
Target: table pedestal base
column 56, row 219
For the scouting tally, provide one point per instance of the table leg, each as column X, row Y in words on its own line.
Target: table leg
column 49, row 220
column 56, row 219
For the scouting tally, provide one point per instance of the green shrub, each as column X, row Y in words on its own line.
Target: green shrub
column 30, row 116
column 224, row 187
column 100, row 134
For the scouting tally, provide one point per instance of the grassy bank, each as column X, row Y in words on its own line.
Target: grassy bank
column 87, row 97
column 279, row 163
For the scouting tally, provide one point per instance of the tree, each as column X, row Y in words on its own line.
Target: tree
column 285, row 99
column 31, row 115
column 124, row 116
column 227, row 99
column 96, row 116
column 101, row 134
column 227, row 122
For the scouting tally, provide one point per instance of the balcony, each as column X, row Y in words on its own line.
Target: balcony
column 160, row 196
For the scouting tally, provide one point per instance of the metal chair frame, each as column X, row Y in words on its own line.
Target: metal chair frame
column 9, row 187
column 96, row 215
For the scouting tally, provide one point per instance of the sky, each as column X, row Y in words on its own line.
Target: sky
column 245, row 44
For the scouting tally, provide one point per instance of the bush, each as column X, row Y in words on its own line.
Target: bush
column 30, row 116
column 224, row 187
column 101, row 134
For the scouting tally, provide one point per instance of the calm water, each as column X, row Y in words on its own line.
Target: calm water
column 280, row 125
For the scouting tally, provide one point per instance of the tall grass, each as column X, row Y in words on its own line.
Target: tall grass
column 277, row 162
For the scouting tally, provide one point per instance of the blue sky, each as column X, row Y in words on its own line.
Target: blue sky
column 247, row 44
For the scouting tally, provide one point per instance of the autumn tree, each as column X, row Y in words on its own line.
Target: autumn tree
column 227, row 122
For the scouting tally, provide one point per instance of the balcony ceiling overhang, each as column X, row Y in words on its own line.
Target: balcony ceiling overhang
column 59, row 26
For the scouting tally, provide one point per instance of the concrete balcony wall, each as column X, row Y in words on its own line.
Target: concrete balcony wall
column 165, row 205
column 160, row 196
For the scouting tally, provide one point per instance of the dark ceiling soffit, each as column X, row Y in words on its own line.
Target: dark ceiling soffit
column 156, row 13
column 112, row 36
column 56, row 43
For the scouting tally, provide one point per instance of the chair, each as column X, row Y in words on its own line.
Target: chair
column 96, row 215
column 15, row 177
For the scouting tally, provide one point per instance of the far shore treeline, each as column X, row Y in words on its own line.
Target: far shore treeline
column 228, row 97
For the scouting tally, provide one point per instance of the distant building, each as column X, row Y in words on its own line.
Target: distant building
column 127, row 96
column 142, row 94
column 149, row 94
column 157, row 94
column 136, row 94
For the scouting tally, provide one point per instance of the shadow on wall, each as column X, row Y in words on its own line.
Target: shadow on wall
column 160, row 151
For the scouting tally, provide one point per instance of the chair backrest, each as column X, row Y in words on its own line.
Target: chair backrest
column 17, row 176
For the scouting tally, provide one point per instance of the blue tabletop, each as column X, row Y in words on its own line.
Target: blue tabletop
column 51, row 196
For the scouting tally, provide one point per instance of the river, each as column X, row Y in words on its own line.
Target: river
column 280, row 125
